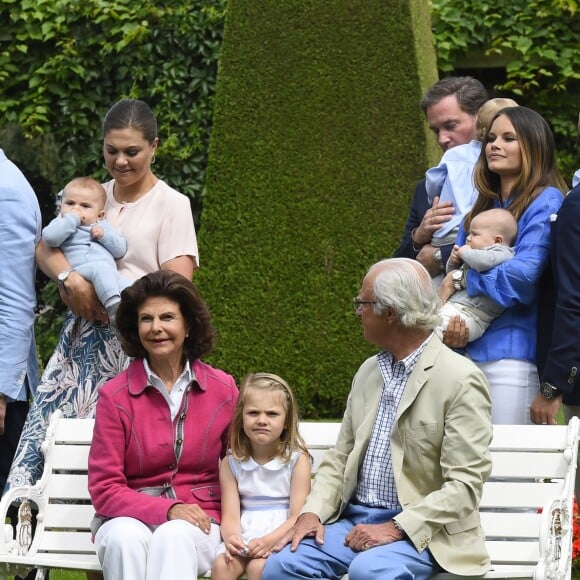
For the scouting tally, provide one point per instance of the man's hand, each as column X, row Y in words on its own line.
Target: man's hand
column 543, row 411
column 434, row 219
column 3, row 405
column 365, row 536
column 307, row 524
column 426, row 259
column 79, row 295
column 456, row 335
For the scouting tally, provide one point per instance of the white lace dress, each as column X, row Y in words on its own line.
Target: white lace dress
column 264, row 495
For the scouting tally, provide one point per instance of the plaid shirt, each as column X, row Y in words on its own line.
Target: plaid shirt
column 376, row 484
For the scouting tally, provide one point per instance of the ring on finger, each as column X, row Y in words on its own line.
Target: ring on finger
column 365, row 546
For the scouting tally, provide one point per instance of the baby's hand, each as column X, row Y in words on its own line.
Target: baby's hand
column 455, row 257
column 97, row 232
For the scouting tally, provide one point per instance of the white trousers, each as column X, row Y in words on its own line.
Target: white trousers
column 128, row 549
column 513, row 386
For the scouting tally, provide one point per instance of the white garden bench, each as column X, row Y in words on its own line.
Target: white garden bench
column 526, row 507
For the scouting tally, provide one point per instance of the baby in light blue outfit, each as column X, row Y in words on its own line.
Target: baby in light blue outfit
column 88, row 241
column 452, row 179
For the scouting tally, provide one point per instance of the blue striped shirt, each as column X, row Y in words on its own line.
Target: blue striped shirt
column 376, row 484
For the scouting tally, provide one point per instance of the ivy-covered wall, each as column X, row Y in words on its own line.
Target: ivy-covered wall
column 317, row 143
column 63, row 63
column 533, row 50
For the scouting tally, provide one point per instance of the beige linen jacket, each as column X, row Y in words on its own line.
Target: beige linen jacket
column 440, row 451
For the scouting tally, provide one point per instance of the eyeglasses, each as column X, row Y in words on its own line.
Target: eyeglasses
column 357, row 303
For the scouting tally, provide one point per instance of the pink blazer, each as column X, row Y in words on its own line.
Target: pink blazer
column 132, row 457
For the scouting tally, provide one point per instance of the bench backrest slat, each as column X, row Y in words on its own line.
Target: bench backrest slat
column 532, row 495
column 68, row 486
column 66, row 542
column 525, row 464
column 70, row 457
column 513, row 552
column 521, row 525
column 529, row 438
column 68, row 516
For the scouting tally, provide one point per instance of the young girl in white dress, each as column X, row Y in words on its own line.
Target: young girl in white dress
column 264, row 479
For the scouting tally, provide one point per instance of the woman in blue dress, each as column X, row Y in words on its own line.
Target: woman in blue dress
column 157, row 222
column 516, row 171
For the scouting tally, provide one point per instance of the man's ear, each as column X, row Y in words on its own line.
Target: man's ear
column 498, row 239
column 389, row 312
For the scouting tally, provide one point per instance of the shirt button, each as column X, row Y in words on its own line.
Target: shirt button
column 171, row 466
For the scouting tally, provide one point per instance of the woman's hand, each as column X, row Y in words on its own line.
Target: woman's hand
column 79, row 295
column 191, row 513
column 456, row 335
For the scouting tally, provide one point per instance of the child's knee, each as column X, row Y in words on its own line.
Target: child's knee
column 219, row 567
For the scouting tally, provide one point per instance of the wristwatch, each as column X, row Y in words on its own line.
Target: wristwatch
column 438, row 257
column 61, row 278
column 458, row 277
column 549, row 391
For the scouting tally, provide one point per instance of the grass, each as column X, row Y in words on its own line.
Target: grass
column 67, row 575
column 63, row 575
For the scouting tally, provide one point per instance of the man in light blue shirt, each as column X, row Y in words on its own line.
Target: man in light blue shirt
column 20, row 226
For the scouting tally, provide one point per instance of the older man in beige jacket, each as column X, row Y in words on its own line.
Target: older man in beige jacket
column 398, row 496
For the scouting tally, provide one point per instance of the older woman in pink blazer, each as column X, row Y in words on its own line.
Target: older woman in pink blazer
column 161, row 428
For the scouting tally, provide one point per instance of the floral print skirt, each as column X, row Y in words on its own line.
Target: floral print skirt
column 87, row 356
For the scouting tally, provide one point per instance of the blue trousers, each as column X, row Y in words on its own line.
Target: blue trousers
column 399, row 560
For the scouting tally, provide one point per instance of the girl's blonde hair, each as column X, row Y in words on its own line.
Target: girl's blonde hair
column 290, row 438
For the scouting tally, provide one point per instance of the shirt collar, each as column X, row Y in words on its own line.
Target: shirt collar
column 187, row 375
column 410, row 360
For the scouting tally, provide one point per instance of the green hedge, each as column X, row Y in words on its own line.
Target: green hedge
column 317, row 143
column 537, row 43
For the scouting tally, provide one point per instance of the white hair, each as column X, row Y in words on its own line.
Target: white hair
column 406, row 287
